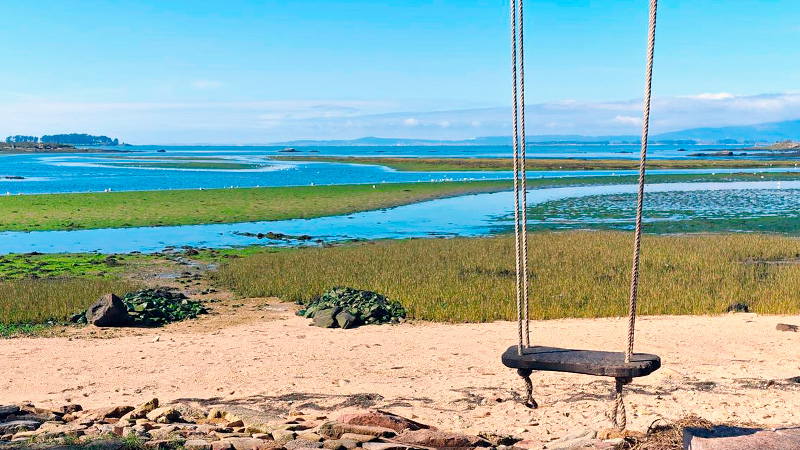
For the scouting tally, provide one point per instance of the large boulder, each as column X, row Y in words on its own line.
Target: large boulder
column 345, row 320
column 108, row 311
column 326, row 318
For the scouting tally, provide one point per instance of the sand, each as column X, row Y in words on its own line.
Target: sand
column 728, row 368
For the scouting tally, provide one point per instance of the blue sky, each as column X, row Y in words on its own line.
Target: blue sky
column 260, row 71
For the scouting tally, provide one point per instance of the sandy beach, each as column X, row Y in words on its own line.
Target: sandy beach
column 735, row 367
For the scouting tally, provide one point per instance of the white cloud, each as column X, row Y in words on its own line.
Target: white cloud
column 627, row 120
column 712, row 96
column 270, row 121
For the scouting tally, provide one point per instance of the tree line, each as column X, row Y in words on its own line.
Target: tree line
column 71, row 139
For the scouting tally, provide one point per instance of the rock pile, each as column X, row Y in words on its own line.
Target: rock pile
column 152, row 426
column 147, row 308
column 346, row 307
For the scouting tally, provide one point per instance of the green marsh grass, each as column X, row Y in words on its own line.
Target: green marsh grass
column 190, row 207
column 193, row 207
column 408, row 164
column 574, row 274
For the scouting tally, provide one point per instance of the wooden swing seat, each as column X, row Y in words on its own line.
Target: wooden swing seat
column 587, row 362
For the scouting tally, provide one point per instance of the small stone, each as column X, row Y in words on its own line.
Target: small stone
column 235, row 424
column 313, row 437
column 222, row 445
column 68, row 409
column 140, row 412
column 360, row 438
column 164, row 414
column 787, row 327
column 283, row 436
column 196, row 444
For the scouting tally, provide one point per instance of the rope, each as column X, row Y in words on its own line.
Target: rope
column 524, row 167
column 618, row 416
column 651, row 43
column 517, row 240
column 530, row 402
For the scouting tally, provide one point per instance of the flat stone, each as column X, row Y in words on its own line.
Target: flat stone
column 221, row 445
column 314, row 437
column 440, row 439
column 737, row 438
column 283, row 435
column 360, row 438
column 382, row 419
column 255, row 421
column 301, row 444
column 15, row 426
column 335, row 430
column 196, row 444
column 102, row 414
column 573, row 441
column 247, row 443
column 383, row 446
column 787, row 327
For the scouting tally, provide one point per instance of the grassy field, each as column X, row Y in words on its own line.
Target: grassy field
column 160, row 208
column 19, row 266
column 185, row 207
column 494, row 164
column 575, row 274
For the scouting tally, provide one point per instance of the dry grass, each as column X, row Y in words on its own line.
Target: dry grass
column 667, row 436
column 31, row 301
column 574, row 274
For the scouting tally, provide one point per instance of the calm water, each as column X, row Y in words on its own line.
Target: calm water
column 475, row 215
column 93, row 173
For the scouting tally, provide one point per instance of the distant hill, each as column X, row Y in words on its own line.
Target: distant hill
column 770, row 132
column 743, row 134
